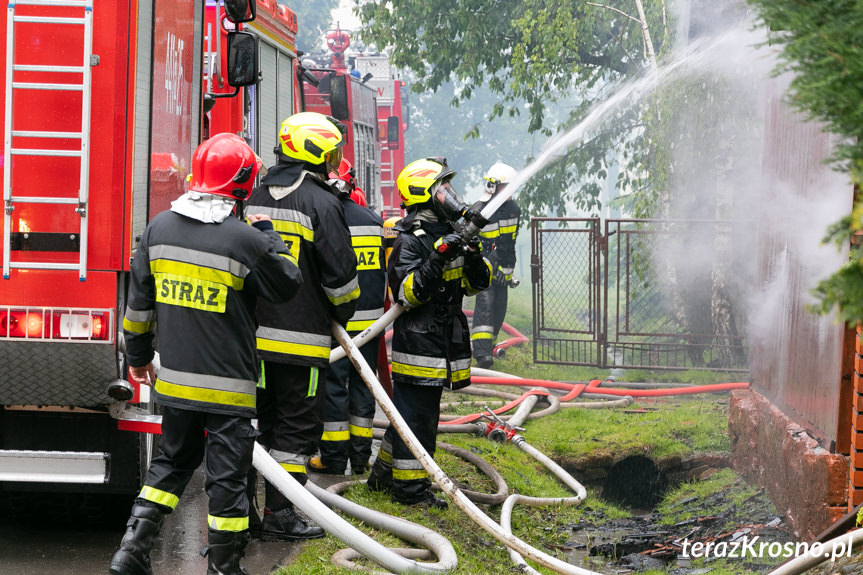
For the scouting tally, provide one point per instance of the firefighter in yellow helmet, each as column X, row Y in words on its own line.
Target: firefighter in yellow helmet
column 498, row 243
column 294, row 340
column 195, row 279
column 430, row 270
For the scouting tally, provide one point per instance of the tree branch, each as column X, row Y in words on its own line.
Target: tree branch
column 612, row 8
column 642, row 22
column 646, row 34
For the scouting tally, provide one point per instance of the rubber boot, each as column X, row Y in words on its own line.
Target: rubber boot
column 425, row 499
column 380, row 478
column 317, row 465
column 286, row 525
column 133, row 557
column 224, row 552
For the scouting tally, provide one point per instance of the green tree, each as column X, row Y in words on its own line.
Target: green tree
column 313, row 19
column 535, row 55
column 531, row 55
column 822, row 46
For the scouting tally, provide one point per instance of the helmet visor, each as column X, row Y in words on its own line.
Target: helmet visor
column 334, row 159
column 448, row 203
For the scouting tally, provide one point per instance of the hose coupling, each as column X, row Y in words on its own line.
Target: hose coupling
column 497, row 429
column 497, row 434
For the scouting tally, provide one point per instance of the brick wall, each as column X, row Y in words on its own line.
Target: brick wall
column 806, row 483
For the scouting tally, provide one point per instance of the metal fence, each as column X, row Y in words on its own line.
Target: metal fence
column 640, row 293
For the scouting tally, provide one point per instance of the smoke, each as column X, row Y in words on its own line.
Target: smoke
column 740, row 154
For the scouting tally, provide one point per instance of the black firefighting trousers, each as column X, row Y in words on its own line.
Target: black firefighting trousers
column 290, row 418
column 419, row 405
column 349, row 410
column 488, row 315
column 228, row 444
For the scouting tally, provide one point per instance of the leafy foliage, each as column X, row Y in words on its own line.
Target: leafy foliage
column 822, row 45
column 533, row 56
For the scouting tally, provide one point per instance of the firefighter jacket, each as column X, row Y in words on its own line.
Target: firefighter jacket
column 498, row 238
column 202, row 282
column 311, row 221
column 366, row 229
column 431, row 341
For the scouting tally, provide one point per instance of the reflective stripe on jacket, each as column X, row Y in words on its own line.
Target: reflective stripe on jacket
column 366, row 229
column 431, row 341
column 499, row 235
column 312, row 224
column 197, row 284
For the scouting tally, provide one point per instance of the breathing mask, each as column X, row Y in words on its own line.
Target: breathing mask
column 447, row 204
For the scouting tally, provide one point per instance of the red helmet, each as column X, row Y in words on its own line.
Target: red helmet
column 226, row 166
column 359, row 197
column 345, row 171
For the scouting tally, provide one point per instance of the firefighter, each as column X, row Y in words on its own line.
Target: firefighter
column 199, row 272
column 294, row 340
column 498, row 243
column 349, row 406
column 430, row 270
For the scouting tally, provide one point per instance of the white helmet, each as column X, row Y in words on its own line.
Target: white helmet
column 498, row 173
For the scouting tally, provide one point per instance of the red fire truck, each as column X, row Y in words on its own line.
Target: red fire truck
column 333, row 91
column 392, row 104
column 371, row 89
column 105, row 101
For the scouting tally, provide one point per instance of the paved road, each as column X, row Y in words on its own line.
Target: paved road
column 59, row 546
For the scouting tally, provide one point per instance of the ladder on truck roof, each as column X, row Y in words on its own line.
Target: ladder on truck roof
column 84, row 68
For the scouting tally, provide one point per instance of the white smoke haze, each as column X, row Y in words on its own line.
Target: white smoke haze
column 769, row 174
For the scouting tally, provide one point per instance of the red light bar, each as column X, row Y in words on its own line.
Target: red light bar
column 56, row 324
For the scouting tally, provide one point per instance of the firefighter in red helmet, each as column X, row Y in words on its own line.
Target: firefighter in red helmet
column 349, row 406
column 195, row 280
column 430, row 270
column 294, row 340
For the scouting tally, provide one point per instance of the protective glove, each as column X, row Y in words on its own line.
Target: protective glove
column 500, row 276
column 449, row 246
column 473, row 246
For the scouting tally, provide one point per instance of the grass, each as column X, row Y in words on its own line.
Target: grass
column 711, row 494
column 674, row 426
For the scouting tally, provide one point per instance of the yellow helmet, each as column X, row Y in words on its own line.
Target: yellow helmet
column 416, row 180
column 310, row 137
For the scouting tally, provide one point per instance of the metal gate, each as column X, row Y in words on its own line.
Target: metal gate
column 658, row 294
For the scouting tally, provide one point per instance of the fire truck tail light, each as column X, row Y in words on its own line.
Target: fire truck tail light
column 55, row 324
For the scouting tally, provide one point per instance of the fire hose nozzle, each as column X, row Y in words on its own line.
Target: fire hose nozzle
column 514, row 282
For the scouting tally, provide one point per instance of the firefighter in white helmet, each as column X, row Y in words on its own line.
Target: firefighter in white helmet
column 430, row 270
column 294, row 339
column 195, row 279
column 498, row 243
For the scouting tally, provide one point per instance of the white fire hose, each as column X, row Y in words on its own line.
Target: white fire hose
column 335, row 524
column 366, row 546
column 437, row 474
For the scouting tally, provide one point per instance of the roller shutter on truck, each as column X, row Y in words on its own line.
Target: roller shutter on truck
column 274, row 96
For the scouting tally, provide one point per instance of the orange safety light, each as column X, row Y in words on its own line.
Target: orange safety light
column 97, row 327
column 33, row 324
